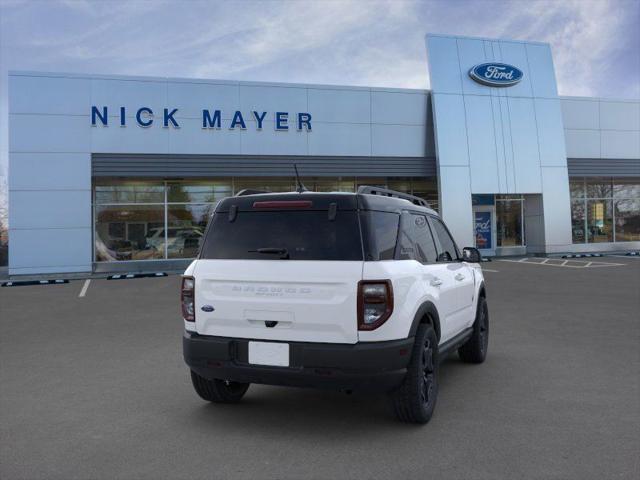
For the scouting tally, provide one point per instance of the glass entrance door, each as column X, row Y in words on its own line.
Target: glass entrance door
column 510, row 225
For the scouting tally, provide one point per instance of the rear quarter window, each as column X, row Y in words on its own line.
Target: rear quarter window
column 380, row 233
column 416, row 240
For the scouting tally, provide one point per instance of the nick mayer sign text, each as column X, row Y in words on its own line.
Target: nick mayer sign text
column 211, row 119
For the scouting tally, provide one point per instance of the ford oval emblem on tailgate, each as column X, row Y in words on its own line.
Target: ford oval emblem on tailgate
column 207, row 308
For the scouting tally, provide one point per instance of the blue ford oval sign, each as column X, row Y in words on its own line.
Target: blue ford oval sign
column 496, row 74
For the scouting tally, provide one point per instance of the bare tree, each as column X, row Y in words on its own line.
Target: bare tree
column 4, row 223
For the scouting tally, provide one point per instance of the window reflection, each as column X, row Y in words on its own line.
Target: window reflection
column 576, row 187
column 599, row 221
column 626, row 188
column 147, row 220
column 627, row 213
column 186, row 225
column 611, row 207
column 599, row 187
column 577, row 221
column 130, row 192
column 198, row 192
column 331, row 184
column 128, row 232
column 275, row 184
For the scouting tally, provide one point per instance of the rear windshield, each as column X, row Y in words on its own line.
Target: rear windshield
column 277, row 235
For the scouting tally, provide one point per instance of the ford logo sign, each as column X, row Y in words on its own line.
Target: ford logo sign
column 496, row 74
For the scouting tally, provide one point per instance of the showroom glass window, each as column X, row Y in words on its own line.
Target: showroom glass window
column 188, row 208
column 124, row 216
column 605, row 209
column 153, row 220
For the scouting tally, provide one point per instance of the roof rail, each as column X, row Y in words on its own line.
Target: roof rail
column 249, row 191
column 384, row 192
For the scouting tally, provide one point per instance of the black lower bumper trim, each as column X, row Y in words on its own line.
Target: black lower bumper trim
column 375, row 366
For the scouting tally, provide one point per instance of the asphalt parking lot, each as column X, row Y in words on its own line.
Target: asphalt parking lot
column 94, row 386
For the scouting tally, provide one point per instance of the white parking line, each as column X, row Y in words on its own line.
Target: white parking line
column 492, row 271
column 83, row 292
column 606, row 264
column 574, row 263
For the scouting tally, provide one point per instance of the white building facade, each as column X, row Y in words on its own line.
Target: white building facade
column 120, row 173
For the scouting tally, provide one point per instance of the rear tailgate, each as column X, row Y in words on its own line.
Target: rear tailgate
column 304, row 301
column 281, row 267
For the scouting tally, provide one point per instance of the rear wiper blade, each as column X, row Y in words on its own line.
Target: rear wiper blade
column 283, row 252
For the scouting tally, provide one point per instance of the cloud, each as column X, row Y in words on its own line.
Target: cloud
column 375, row 43
column 379, row 43
column 585, row 37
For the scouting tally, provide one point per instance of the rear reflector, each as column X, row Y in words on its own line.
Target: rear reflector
column 284, row 204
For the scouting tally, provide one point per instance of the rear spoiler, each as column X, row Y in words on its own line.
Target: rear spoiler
column 249, row 202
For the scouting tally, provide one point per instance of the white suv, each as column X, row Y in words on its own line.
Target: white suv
column 363, row 291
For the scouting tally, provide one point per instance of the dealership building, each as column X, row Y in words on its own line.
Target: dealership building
column 120, row 173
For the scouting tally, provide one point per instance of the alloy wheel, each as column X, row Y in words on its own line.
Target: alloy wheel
column 428, row 375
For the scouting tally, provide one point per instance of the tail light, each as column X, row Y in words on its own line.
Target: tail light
column 375, row 303
column 187, row 298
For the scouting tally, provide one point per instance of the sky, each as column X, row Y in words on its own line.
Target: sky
column 595, row 43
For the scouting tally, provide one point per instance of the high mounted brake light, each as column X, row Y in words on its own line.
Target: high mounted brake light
column 284, row 204
column 187, row 298
column 375, row 303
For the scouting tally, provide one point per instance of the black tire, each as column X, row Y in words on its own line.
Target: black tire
column 475, row 349
column 415, row 400
column 218, row 391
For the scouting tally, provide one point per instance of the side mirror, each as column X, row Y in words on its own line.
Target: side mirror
column 471, row 255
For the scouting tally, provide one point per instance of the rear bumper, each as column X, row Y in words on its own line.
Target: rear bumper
column 375, row 366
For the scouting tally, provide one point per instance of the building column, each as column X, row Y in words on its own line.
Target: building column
column 455, row 203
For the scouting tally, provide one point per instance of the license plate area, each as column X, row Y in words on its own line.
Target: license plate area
column 269, row 353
